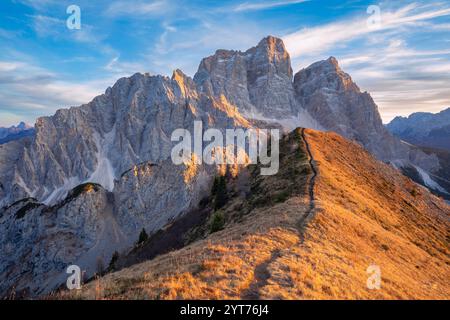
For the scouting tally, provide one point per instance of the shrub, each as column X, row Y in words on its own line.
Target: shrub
column 217, row 222
column 113, row 261
column 215, row 186
column 143, row 237
column 220, row 192
column 282, row 196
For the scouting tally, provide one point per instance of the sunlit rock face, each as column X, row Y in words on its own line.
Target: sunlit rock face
column 258, row 81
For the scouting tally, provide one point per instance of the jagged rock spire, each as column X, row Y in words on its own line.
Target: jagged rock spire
column 258, row 81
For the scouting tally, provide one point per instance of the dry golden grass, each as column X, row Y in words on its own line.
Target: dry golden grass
column 366, row 213
column 369, row 215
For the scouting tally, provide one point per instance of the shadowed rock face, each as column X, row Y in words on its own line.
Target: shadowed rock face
column 330, row 95
column 336, row 102
column 39, row 242
column 121, row 141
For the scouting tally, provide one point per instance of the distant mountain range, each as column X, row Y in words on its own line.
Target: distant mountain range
column 424, row 129
column 15, row 132
column 92, row 177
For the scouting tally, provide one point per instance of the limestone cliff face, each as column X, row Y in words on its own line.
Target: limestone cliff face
column 120, row 141
column 258, row 81
column 39, row 242
column 131, row 123
column 330, row 96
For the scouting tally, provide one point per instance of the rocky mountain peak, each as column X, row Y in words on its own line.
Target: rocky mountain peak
column 23, row 126
column 330, row 96
column 273, row 50
column 185, row 83
column 423, row 129
column 333, row 61
column 15, row 132
column 324, row 75
column 258, row 81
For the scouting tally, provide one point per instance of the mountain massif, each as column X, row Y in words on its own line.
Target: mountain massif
column 92, row 177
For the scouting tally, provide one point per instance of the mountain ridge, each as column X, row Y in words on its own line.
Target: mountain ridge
column 424, row 129
column 366, row 213
column 16, row 132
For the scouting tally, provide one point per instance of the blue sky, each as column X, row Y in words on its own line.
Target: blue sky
column 403, row 61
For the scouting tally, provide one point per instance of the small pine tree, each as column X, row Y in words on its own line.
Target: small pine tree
column 221, row 196
column 215, row 186
column 143, row 236
column 113, row 261
column 218, row 222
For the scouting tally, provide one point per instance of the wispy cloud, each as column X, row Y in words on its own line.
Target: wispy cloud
column 254, row 6
column 50, row 27
column 440, row 27
column 404, row 63
column 402, row 80
column 120, row 68
column 38, row 4
column 41, row 91
column 9, row 34
column 45, row 26
column 180, row 47
column 137, row 8
column 314, row 40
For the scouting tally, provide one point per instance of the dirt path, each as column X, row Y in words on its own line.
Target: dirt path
column 312, row 205
column 260, row 278
column 261, row 273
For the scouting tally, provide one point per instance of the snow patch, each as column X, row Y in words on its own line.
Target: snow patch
column 104, row 173
column 303, row 120
column 407, row 143
column 398, row 163
column 22, row 184
column 60, row 193
column 429, row 182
